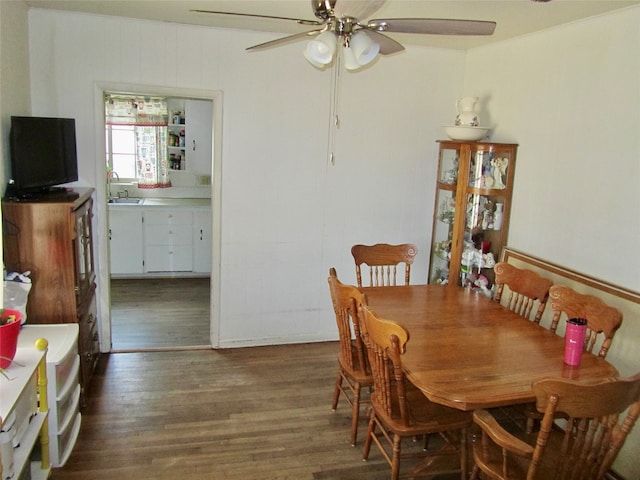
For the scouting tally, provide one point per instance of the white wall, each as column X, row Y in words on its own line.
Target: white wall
column 14, row 80
column 570, row 97
column 286, row 215
column 14, row 73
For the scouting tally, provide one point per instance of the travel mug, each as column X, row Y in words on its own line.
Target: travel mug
column 574, row 340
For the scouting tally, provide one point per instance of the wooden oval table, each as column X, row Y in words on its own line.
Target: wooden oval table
column 469, row 352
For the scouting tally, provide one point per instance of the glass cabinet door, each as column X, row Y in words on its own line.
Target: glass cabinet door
column 445, row 215
column 487, row 200
column 85, row 274
column 442, row 236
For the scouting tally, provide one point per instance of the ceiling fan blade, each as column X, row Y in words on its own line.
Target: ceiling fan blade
column 433, row 26
column 283, row 40
column 387, row 44
column 297, row 20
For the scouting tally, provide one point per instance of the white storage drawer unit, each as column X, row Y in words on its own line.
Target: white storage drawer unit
column 63, row 388
column 168, row 240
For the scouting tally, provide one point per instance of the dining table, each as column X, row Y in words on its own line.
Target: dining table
column 467, row 351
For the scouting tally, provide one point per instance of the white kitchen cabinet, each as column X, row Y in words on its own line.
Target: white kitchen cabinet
column 202, row 241
column 168, row 244
column 160, row 236
column 63, row 386
column 190, row 135
column 125, row 240
column 198, row 136
column 19, row 405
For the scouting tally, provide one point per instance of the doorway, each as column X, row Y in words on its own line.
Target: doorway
column 160, row 313
column 136, row 309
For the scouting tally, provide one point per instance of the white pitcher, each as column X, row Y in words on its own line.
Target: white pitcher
column 466, row 108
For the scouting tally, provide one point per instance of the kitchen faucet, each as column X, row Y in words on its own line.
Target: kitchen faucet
column 111, row 174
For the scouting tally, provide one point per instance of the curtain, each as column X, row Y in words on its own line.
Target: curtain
column 150, row 117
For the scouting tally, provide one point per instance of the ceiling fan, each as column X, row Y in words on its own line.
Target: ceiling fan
column 338, row 24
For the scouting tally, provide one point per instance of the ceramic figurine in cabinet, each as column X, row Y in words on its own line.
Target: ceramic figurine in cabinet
column 499, row 165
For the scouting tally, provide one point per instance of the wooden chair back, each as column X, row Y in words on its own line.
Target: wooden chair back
column 383, row 260
column 602, row 320
column 386, row 342
column 526, row 288
column 584, row 448
column 347, row 301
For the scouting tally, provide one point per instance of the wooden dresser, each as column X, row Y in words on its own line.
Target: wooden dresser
column 51, row 236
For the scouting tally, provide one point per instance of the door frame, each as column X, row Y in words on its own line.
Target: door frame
column 101, row 223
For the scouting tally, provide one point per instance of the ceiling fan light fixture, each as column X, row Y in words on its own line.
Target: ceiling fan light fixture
column 349, row 59
column 320, row 50
column 364, row 49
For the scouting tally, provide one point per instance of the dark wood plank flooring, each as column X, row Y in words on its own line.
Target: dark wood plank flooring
column 250, row 413
column 160, row 313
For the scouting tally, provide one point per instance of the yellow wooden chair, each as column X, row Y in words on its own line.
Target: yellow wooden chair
column 353, row 366
column 398, row 409
column 383, row 260
column 583, row 449
column 602, row 320
column 525, row 289
column 602, row 323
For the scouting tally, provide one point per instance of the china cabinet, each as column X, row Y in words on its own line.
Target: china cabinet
column 51, row 236
column 471, row 213
column 23, row 415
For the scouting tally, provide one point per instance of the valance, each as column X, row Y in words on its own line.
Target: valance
column 135, row 110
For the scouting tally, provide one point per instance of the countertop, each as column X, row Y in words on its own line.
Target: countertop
column 165, row 202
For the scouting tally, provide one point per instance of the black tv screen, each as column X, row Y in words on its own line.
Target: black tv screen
column 43, row 153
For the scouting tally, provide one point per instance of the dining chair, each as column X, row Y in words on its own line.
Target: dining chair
column 602, row 320
column 602, row 323
column 525, row 288
column 383, row 260
column 353, row 367
column 583, row 448
column 399, row 410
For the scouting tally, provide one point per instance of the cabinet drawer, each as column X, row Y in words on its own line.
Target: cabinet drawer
column 88, row 345
column 66, row 370
column 161, row 258
column 168, row 235
column 168, row 217
column 64, row 442
column 67, row 408
column 72, row 381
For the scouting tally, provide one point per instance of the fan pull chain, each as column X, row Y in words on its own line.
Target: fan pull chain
column 334, row 116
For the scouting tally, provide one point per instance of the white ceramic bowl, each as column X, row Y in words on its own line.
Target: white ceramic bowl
column 470, row 134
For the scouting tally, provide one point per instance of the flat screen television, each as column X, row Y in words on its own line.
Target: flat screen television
column 43, row 154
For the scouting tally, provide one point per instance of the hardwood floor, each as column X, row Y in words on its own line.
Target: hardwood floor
column 250, row 413
column 160, row 313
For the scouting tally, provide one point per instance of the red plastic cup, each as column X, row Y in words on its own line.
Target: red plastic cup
column 9, row 337
column 574, row 340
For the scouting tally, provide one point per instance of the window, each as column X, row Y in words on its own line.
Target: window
column 121, row 151
column 136, row 139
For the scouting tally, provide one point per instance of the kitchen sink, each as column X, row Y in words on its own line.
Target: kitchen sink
column 126, row 200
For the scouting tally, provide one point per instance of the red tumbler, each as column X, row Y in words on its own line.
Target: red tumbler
column 574, row 340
